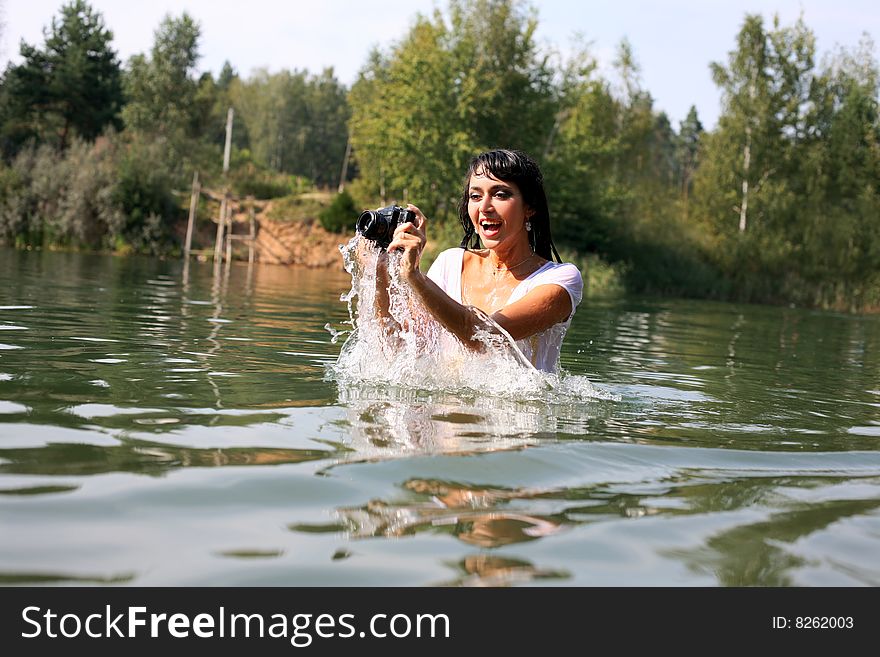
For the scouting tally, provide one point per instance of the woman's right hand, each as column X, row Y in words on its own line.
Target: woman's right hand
column 410, row 238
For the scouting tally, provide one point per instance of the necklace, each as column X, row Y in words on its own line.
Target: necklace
column 497, row 271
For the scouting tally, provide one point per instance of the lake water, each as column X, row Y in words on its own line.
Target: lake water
column 162, row 429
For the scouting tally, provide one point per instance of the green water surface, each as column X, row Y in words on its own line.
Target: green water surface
column 162, row 427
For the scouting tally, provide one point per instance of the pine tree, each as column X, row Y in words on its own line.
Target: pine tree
column 690, row 134
column 69, row 88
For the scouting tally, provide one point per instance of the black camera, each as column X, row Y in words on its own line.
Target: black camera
column 378, row 225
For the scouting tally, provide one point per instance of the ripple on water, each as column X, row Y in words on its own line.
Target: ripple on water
column 12, row 407
column 872, row 430
column 722, row 460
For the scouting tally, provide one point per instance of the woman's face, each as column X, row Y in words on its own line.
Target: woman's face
column 497, row 210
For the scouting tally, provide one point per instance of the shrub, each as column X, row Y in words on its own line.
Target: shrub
column 87, row 211
column 251, row 180
column 340, row 214
column 142, row 192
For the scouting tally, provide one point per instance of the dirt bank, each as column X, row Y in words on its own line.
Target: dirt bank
column 279, row 240
column 298, row 243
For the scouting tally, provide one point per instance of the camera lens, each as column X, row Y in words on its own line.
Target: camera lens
column 366, row 224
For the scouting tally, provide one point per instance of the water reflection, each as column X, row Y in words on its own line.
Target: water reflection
column 55, row 579
column 38, row 490
column 768, row 542
column 142, row 457
column 492, row 570
column 389, row 422
column 771, row 551
column 477, row 516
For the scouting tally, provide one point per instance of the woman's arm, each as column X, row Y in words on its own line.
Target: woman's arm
column 410, row 238
column 541, row 308
column 459, row 320
column 381, row 299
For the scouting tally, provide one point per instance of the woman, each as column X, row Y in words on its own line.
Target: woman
column 512, row 278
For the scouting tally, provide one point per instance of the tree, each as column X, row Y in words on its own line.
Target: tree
column 690, row 134
column 839, row 263
column 69, row 88
column 765, row 88
column 505, row 86
column 746, row 190
column 327, row 114
column 295, row 122
column 161, row 89
column 406, row 136
column 446, row 91
column 795, row 155
column 209, row 113
column 581, row 158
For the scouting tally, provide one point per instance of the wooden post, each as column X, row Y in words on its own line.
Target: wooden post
column 227, row 148
column 253, row 221
column 228, row 229
column 344, row 173
column 221, row 223
column 193, row 206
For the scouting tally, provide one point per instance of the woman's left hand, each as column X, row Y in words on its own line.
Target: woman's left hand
column 410, row 238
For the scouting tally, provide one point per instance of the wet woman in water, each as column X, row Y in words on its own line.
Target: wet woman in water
column 504, row 266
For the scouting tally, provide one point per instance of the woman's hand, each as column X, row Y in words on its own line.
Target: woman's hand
column 410, row 238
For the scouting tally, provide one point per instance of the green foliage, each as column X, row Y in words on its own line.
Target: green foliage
column 248, row 179
column 446, row 91
column 687, row 146
column 787, row 185
column 779, row 203
column 86, row 211
column 601, row 278
column 160, row 89
column 163, row 96
column 92, row 196
column 142, row 191
column 70, row 88
column 20, row 211
column 298, row 207
column 295, row 123
column 340, row 215
column 614, row 171
column 212, row 103
column 587, row 199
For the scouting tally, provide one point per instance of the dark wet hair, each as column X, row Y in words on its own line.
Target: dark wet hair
column 513, row 167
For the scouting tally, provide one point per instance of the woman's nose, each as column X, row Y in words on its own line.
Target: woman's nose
column 486, row 204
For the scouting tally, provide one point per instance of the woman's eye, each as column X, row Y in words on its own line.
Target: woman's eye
column 502, row 194
column 475, row 197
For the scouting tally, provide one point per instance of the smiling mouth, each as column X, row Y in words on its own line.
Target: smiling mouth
column 490, row 225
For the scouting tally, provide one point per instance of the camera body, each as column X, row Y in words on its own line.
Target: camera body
column 378, row 225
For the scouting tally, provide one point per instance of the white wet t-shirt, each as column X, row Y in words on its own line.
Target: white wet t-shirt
column 541, row 349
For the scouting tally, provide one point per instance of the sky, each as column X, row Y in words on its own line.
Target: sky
column 674, row 40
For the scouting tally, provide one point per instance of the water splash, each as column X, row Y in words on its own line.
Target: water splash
column 335, row 334
column 414, row 351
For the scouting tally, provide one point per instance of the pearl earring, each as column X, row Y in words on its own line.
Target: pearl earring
column 528, row 226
